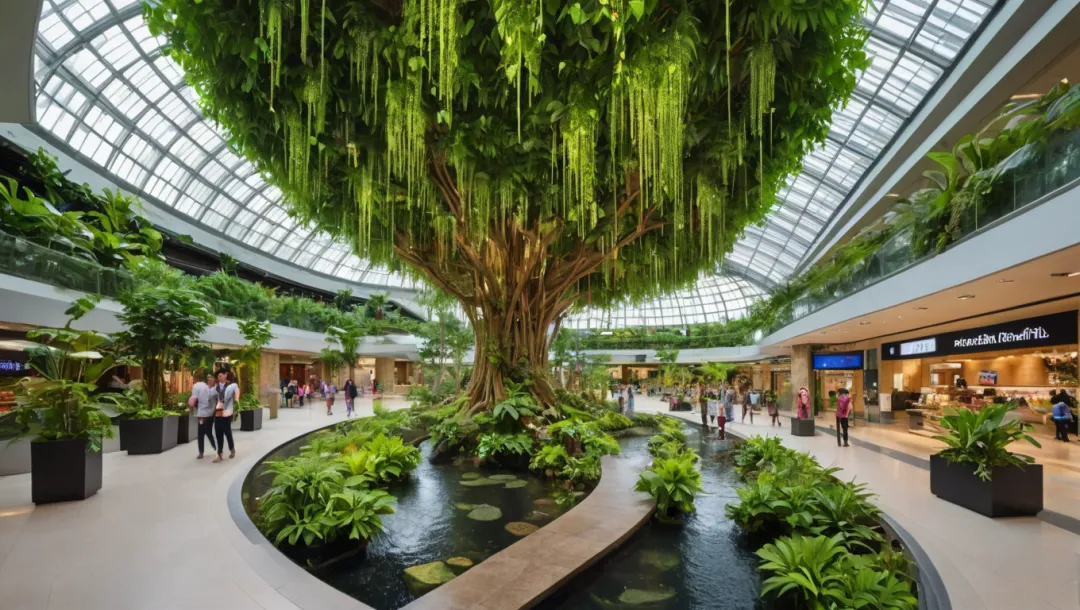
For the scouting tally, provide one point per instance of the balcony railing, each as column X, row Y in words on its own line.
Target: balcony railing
column 21, row 258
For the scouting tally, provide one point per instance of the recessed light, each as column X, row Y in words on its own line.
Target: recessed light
column 920, row 308
column 966, row 297
column 1004, row 281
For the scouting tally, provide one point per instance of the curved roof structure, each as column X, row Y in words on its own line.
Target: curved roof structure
column 714, row 298
column 107, row 92
column 109, row 96
column 912, row 44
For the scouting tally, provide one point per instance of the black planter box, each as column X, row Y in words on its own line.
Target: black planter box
column 802, row 427
column 251, row 421
column 1012, row 491
column 62, row 471
column 144, row 436
column 187, row 428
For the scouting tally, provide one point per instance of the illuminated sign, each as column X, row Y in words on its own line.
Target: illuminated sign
column 919, row 347
column 845, row 361
column 1044, row 331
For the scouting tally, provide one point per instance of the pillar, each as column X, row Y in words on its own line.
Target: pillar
column 384, row 373
column 802, row 373
column 269, row 390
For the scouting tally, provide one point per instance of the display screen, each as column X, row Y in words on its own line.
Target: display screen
column 987, row 377
column 846, row 361
column 13, row 368
column 921, row 346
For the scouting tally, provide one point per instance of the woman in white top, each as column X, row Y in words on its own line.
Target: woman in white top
column 228, row 394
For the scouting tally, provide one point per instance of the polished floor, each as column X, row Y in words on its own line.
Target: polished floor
column 996, row 564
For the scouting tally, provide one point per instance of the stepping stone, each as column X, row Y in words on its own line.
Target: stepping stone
column 425, row 577
column 516, row 484
column 520, row 528
column 485, row 512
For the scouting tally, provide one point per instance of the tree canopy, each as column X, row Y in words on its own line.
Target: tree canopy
column 524, row 155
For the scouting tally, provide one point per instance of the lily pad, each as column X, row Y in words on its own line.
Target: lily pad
column 480, row 483
column 520, row 528
column 485, row 512
column 503, row 477
column 468, row 476
column 641, row 597
column 516, row 484
column 459, row 562
column 425, row 577
column 463, row 506
column 659, row 560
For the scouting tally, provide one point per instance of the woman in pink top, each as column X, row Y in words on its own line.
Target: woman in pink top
column 843, row 412
column 802, row 404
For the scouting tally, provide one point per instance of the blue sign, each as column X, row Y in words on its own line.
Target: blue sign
column 845, row 361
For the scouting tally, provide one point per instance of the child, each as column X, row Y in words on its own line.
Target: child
column 331, row 391
column 774, row 413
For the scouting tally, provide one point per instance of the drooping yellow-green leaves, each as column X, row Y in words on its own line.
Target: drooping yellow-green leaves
column 639, row 137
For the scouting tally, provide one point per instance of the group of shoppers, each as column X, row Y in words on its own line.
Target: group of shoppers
column 214, row 401
column 717, row 405
column 625, row 395
column 294, row 392
column 804, row 410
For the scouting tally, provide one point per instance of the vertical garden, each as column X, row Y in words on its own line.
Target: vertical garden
column 524, row 156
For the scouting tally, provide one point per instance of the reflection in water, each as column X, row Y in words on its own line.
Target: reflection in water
column 428, row 525
column 705, row 563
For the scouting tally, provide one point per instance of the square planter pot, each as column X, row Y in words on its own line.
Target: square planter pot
column 144, row 436
column 187, row 428
column 1011, row 492
column 251, row 420
column 63, row 471
column 802, row 427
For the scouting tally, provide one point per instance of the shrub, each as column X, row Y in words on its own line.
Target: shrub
column 673, row 483
column 493, row 445
column 982, row 438
column 382, row 460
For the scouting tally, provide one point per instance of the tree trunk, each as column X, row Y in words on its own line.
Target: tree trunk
column 520, row 355
column 154, row 382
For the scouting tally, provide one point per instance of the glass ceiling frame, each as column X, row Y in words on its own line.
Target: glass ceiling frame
column 912, row 45
column 109, row 94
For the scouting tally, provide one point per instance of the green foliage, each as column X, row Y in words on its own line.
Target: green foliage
column 612, row 422
column 549, row 457
column 381, row 460
column 357, row 512
column 58, row 405
column 494, row 444
column 248, row 402
column 982, row 438
column 673, row 483
column 518, row 403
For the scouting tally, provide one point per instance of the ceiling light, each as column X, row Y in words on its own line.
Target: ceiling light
column 920, row 308
column 1004, row 281
column 966, row 297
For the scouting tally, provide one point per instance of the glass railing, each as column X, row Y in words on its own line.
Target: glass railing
column 667, row 341
column 21, row 258
column 1015, row 193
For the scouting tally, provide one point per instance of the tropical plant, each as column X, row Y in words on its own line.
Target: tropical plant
column 804, row 566
column 248, row 402
column 162, row 321
column 982, row 438
column 550, row 457
column 257, row 335
column 673, row 483
column 494, row 444
column 518, row 403
column 460, row 138
column 58, row 405
column 381, row 460
column 357, row 512
column 584, row 469
column 346, row 338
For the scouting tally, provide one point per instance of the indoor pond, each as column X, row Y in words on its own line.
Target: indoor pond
column 443, row 511
column 705, row 563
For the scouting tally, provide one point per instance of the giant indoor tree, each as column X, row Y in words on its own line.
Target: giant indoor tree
column 524, row 156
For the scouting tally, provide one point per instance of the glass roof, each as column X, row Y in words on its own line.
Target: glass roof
column 714, row 298
column 105, row 89
column 912, row 43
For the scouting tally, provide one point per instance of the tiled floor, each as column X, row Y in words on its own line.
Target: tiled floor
column 1002, row 564
column 158, row 536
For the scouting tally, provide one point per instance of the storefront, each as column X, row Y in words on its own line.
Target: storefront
column 834, row 371
column 1023, row 361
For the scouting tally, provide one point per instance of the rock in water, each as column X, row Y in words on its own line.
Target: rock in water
column 537, row 516
column 464, row 506
column 519, row 528
column 641, row 597
column 485, row 512
column 480, row 483
column 659, row 560
column 503, row 477
column 425, row 577
column 516, row 484
column 459, row 562
column 544, row 502
column 470, row 475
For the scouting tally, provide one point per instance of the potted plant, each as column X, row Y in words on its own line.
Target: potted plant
column 57, row 405
column 187, row 427
column 163, row 321
column 258, row 335
column 978, row 472
column 251, row 413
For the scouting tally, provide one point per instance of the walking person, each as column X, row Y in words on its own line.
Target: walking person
column 697, row 396
column 228, row 394
column 350, row 396
column 630, row 401
column 1062, row 416
column 802, row 404
column 843, row 412
column 203, row 401
column 729, row 403
column 714, row 406
column 721, row 416
column 747, row 407
column 331, row 393
column 300, row 394
column 774, row 412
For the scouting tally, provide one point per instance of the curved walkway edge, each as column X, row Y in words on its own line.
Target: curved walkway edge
column 523, row 574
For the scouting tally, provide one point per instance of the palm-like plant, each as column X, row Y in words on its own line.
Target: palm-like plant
column 982, row 438
column 803, row 565
column 357, row 512
column 673, row 483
